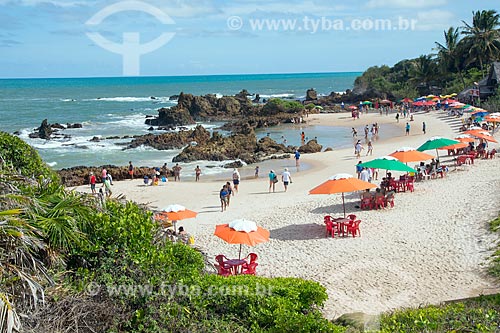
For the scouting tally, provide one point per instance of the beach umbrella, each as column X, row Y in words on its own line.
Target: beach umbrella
column 342, row 183
column 457, row 105
column 353, row 107
column 455, row 146
column 407, row 100
column 482, row 134
column 367, row 102
column 410, row 154
column 465, row 138
column 385, row 101
column 419, row 103
column 430, row 96
column 176, row 213
column 429, row 103
column 387, row 163
column 436, row 142
column 247, row 233
column 318, row 107
column 480, row 114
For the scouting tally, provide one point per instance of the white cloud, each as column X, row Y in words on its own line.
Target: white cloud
column 56, row 3
column 434, row 20
column 388, row 4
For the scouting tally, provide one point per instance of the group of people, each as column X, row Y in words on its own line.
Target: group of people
column 286, row 178
column 107, row 181
column 229, row 189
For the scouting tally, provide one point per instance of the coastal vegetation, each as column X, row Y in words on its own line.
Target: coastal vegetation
column 72, row 262
column 459, row 60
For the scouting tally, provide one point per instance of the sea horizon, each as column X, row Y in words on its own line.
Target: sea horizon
column 173, row 76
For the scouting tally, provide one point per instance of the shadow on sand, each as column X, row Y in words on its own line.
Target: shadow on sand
column 299, row 232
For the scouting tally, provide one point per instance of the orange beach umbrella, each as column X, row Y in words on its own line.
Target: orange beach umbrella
column 341, row 183
column 176, row 212
column 455, row 146
column 250, row 234
column 410, row 154
column 482, row 134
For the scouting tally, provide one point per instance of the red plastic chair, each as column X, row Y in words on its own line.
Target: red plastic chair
column 251, row 258
column 351, row 217
column 330, row 229
column 249, row 269
column 409, row 186
column 220, row 260
column 353, row 228
column 379, row 203
column 328, row 218
column 366, row 203
column 223, row 271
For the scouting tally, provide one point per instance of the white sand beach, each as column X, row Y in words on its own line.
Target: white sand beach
column 432, row 246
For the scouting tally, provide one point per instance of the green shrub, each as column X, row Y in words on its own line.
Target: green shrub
column 17, row 154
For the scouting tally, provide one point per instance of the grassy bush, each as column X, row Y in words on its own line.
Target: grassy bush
column 480, row 314
column 17, row 154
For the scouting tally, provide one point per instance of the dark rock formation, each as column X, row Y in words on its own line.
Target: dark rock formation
column 311, row 95
column 243, row 146
column 42, row 132
column 174, row 116
column 311, row 147
column 232, row 165
column 76, row 125
column 173, row 140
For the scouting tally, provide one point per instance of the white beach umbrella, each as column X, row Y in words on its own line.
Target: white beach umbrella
column 243, row 225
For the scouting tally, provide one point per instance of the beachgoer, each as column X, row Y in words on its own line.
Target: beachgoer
column 366, row 131
column 354, row 132
column 130, row 170
column 273, row 179
column 223, row 198
column 357, row 149
column 197, row 172
column 359, row 168
column 370, row 148
column 164, row 170
column 177, row 172
column 364, row 175
column 110, row 178
column 230, row 192
column 302, row 137
column 407, row 128
column 366, row 194
column 286, row 177
column 104, row 173
column 423, row 127
column 183, row 236
column 107, row 187
column 397, row 117
column 92, row 182
column 257, row 171
column 297, row 157
column 236, row 179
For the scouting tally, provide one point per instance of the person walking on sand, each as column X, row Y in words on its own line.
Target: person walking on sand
column 357, row 149
column 104, row 173
column 236, row 179
column 223, row 194
column 273, row 179
column 297, row 157
column 130, row 170
column 92, row 182
column 286, row 177
column 407, row 129
column 423, row 127
column 354, row 132
column 257, row 171
column 370, row 148
column 397, row 117
column 107, row 187
column 177, row 172
column 197, row 172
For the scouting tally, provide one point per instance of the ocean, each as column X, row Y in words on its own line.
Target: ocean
column 118, row 107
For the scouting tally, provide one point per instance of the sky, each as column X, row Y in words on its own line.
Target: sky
column 101, row 38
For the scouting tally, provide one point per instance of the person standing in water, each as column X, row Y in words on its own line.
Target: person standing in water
column 197, row 172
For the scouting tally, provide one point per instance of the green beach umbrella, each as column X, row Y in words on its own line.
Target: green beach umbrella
column 367, row 102
column 387, row 163
column 436, row 142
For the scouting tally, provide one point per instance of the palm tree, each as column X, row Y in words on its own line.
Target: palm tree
column 451, row 54
column 482, row 38
column 423, row 71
